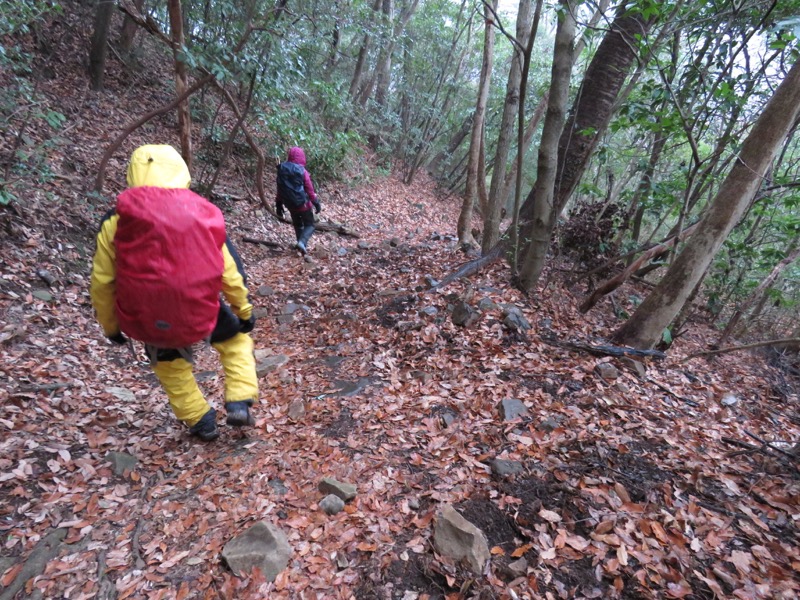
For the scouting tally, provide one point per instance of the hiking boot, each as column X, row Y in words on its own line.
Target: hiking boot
column 239, row 414
column 301, row 246
column 206, row 428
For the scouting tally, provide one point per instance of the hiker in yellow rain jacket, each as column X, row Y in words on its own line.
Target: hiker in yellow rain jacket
column 154, row 170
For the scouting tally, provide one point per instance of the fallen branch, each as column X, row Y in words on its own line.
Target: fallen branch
column 744, row 347
column 767, row 444
column 262, row 242
column 47, row 387
column 673, row 394
column 611, row 284
column 472, row 267
column 604, row 350
column 101, row 169
column 335, row 228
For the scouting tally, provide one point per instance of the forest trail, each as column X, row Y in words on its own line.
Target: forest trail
column 620, row 482
column 617, row 483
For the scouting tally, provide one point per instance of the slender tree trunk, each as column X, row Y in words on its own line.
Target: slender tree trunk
column 584, row 127
column 98, row 52
column 465, row 236
column 128, row 31
column 452, row 145
column 792, row 254
column 544, row 213
column 363, row 51
column 181, row 81
column 492, row 216
column 644, row 328
column 517, row 162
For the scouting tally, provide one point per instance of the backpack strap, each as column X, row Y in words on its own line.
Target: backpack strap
column 152, row 354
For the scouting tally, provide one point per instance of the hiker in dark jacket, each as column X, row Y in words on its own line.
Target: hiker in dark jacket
column 302, row 217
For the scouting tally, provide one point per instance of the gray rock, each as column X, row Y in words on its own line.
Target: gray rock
column 297, row 410
column 511, row 408
column 345, row 491
column 464, row 315
column 634, row 366
column 341, row 251
column 394, row 242
column 429, row 311
column 431, row 282
column 265, row 290
column 512, row 309
column 422, row 376
column 285, row 319
column 278, row 487
column 549, row 424
column 42, row 295
column 364, row 245
column 446, row 414
column 121, row 462
column 607, row 372
column 457, row 538
column 505, row 468
column 260, row 312
column 263, row 545
column 46, row 276
column 270, row 364
column 729, row 399
column 291, row 308
column 413, row 503
column 332, row 504
column 333, row 361
column 516, row 322
column 517, row 568
column 121, row 394
column 486, row 305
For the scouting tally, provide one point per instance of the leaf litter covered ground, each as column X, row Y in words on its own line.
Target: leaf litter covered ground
column 628, row 489
column 632, row 486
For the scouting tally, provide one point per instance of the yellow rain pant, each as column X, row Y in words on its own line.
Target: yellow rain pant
column 186, row 399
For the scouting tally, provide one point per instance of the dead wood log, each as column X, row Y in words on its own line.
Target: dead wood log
column 473, row 266
column 743, row 347
column 604, row 349
column 611, row 284
column 262, row 242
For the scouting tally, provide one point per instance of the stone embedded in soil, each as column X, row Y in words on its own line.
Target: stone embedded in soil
column 297, row 409
column 345, row 491
column 464, row 315
column 607, row 372
column 264, row 545
column 511, row 408
column 457, row 538
column 505, row 468
column 121, row 462
column 332, row 504
column 270, row 364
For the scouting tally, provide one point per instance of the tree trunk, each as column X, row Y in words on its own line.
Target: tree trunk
column 98, row 52
column 363, row 51
column 792, row 254
column 497, row 201
column 644, row 328
column 465, row 236
column 181, row 81
column 128, row 31
column 453, row 144
column 544, row 214
column 586, row 124
column 530, row 128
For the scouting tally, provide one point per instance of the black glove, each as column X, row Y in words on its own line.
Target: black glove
column 247, row 326
column 317, row 206
column 118, row 338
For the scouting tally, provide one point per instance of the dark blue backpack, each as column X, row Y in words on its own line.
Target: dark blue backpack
column 291, row 185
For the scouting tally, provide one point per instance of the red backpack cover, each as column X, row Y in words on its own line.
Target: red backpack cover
column 169, row 265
